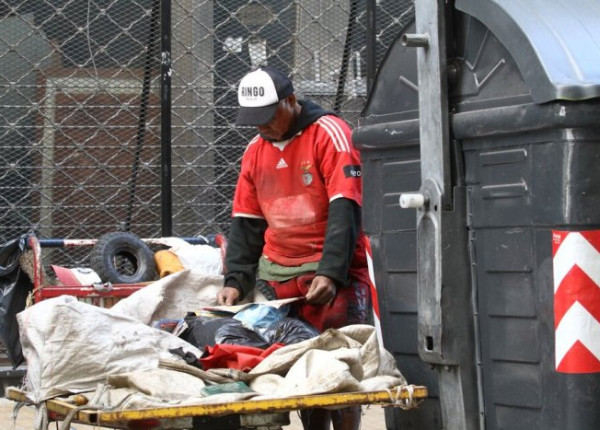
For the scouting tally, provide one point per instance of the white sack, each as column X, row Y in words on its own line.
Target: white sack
column 315, row 372
column 107, row 397
column 335, row 361
column 280, row 360
column 70, row 346
column 382, row 382
column 374, row 359
column 203, row 258
column 171, row 297
column 163, row 384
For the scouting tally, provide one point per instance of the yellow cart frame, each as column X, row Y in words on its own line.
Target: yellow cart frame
column 405, row 397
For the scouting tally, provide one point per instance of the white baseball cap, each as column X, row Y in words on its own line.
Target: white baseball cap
column 259, row 92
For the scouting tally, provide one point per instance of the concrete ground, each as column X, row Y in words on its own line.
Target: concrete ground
column 372, row 419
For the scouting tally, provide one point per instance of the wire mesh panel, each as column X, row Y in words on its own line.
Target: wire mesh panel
column 82, row 104
column 320, row 44
column 77, row 158
column 81, row 92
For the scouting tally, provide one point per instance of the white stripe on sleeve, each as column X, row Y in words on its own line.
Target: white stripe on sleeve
column 335, row 133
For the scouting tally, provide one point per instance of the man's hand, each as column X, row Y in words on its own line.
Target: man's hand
column 322, row 290
column 228, row 296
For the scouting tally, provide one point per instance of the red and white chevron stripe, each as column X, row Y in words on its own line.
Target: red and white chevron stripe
column 373, row 288
column 576, row 258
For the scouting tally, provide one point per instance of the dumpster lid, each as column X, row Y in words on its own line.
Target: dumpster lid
column 556, row 44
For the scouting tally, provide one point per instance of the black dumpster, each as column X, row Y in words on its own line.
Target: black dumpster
column 517, row 350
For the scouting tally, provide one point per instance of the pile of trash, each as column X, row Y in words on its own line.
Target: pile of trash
column 169, row 344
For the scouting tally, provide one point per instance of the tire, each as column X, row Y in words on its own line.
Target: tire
column 122, row 258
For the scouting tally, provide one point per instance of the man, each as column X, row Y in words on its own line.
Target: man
column 296, row 215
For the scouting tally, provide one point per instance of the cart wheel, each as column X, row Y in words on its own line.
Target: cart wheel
column 122, row 258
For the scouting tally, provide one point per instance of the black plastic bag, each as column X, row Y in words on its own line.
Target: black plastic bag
column 234, row 333
column 292, row 330
column 286, row 331
column 15, row 286
column 203, row 331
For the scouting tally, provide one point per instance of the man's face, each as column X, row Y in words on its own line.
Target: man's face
column 283, row 120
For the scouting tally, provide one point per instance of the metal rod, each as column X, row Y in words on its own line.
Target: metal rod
column 346, row 56
column 165, row 108
column 371, row 57
column 141, row 131
column 67, row 243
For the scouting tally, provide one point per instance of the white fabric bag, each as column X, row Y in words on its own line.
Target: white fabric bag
column 70, row 346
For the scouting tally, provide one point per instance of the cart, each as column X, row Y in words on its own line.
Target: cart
column 104, row 294
column 266, row 414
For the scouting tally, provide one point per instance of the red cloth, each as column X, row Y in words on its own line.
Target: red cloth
column 350, row 305
column 238, row 357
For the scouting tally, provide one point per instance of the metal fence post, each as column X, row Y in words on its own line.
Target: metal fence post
column 165, row 108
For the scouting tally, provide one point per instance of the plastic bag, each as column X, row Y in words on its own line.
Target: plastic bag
column 234, row 333
column 291, row 330
column 286, row 331
column 202, row 332
column 15, row 286
column 259, row 317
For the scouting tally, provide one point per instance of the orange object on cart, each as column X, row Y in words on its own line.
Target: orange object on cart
column 167, row 263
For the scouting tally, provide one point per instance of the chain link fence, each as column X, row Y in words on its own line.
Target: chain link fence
column 89, row 113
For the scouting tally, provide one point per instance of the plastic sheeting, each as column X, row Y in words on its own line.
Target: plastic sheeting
column 15, row 286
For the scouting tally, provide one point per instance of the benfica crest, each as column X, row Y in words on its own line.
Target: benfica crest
column 307, row 177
